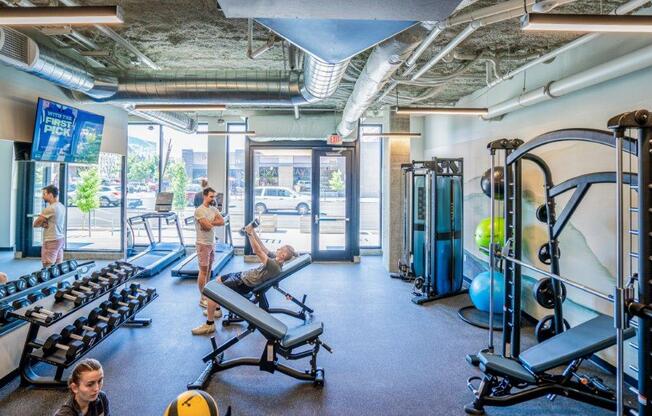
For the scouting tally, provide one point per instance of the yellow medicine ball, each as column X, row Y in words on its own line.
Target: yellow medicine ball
column 193, row 403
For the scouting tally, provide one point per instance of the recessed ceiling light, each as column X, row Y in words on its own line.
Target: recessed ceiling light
column 44, row 16
column 455, row 111
column 587, row 23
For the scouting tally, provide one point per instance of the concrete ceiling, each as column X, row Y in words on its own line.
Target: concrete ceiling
column 194, row 34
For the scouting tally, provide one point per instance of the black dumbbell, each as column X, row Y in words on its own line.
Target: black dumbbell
column 3, row 291
column 47, row 291
column 132, row 305
column 69, row 332
column 54, row 271
column 255, row 223
column 55, row 342
column 69, row 294
column 112, row 319
column 81, row 287
column 20, row 285
column 34, row 297
column 107, row 308
column 29, row 279
column 20, row 303
column 43, row 275
column 73, row 264
column 96, row 285
column 11, row 288
column 42, row 314
column 100, row 328
column 111, row 279
column 139, row 297
column 116, row 271
column 64, row 267
column 128, row 266
column 5, row 310
column 149, row 292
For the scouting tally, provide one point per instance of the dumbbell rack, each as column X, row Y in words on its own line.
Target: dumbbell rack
column 32, row 352
column 9, row 326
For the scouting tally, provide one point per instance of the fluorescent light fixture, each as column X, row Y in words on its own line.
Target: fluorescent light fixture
column 230, row 133
column 587, row 23
column 398, row 134
column 455, row 111
column 44, row 16
column 179, row 107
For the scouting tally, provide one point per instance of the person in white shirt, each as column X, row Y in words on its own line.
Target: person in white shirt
column 207, row 217
column 53, row 220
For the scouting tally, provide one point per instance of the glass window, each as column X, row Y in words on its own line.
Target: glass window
column 45, row 173
column 236, row 179
column 258, row 192
column 185, row 164
column 142, row 174
column 370, row 187
column 94, row 199
column 284, row 192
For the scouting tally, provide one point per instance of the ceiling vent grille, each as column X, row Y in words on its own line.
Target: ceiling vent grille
column 14, row 46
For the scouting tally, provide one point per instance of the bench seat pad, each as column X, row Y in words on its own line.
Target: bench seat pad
column 505, row 367
column 302, row 333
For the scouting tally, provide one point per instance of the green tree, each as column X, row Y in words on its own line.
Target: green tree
column 336, row 182
column 87, row 193
column 176, row 174
column 141, row 168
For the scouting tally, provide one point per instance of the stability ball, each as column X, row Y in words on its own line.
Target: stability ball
column 483, row 232
column 479, row 291
column 499, row 182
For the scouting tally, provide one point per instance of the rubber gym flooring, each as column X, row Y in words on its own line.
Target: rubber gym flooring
column 391, row 357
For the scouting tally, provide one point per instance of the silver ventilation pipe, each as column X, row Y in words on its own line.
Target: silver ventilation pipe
column 269, row 88
column 175, row 120
column 383, row 62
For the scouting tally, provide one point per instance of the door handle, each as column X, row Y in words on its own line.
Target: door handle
column 316, row 219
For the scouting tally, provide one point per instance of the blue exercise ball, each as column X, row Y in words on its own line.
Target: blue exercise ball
column 479, row 291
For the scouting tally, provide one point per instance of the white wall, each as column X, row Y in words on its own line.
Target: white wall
column 19, row 93
column 587, row 244
column 7, row 169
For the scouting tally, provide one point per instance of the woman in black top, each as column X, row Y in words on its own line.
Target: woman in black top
column 87, row 397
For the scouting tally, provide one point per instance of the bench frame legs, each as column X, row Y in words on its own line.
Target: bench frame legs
column 495, row 390
column 268, row 360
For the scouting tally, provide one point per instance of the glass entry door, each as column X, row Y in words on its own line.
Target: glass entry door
column 39, row 175
column 332, row 204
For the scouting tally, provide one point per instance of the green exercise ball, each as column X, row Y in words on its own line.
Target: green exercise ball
column 483, row 232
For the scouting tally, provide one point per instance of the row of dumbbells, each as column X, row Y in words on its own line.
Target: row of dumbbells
column 88, row 288
column 30, row 280
column 34, row 296
column 84, row 332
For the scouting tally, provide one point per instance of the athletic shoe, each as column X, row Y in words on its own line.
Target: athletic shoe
column 216, row 315
column 203, row 303
column 204, row 329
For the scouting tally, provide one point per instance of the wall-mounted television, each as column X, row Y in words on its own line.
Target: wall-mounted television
column 66, row 134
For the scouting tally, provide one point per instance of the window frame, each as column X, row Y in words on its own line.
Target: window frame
column 380, row 175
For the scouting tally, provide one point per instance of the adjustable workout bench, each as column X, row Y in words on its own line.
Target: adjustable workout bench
column 260, row 297
column 528, row 372
column 280, row 340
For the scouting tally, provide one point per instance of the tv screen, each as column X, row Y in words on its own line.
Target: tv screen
column 66, row 134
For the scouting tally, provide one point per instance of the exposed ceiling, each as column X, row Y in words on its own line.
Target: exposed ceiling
column 194, row 34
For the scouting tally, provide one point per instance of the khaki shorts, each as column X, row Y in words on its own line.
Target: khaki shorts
column 52, row 251
column 205, row 254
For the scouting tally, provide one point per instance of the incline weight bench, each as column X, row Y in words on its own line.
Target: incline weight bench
column 260, row 297
column 281, row 340
column 528, row 374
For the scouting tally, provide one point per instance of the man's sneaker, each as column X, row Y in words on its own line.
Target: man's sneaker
column 203, row 303
column 216, row 315
column 204, row 329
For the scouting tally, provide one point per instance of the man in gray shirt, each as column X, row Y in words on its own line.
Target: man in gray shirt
column 53, row 220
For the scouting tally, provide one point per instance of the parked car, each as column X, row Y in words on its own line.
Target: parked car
column 110, row 196
column 303, row 186
column 280, row 198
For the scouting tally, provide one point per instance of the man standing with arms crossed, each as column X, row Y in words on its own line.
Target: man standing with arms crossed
column 206, row 218
column 53, row 221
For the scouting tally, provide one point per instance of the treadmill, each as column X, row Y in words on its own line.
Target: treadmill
column 223, row 253
column 157, row 255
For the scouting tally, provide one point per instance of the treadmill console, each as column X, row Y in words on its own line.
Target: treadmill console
column 164, row 201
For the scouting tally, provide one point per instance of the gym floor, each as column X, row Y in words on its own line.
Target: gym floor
column 390, row 356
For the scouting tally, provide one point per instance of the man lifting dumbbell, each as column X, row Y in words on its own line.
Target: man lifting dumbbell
column 87, row 338
column 207, row 217
column 243, row 282
column 55, row 342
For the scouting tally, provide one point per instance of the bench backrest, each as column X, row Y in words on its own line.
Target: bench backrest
column 288, row 268
column 245, row 309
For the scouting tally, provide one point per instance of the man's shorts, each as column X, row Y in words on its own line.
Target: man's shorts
column 205, row 254
column 234, row 281
column 52, row 251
